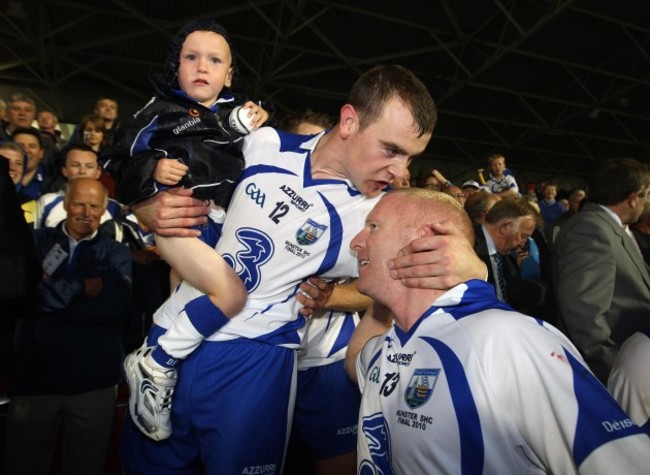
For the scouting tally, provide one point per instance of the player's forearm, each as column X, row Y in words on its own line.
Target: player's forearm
column 346, row 297
column 203, row 268
column 375, row 321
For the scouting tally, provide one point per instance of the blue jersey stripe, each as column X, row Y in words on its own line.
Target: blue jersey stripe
column 342, row 339
column 472, row 447
column 48, row 209
column 336, row 237
column 600, row 418
column 258, row 169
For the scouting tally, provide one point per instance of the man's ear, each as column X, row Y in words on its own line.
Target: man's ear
column 349, row 121
column 633, row 199
column 504, row 226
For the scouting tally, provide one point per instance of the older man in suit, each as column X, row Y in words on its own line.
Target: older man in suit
column 507, row 227
column 602, row 281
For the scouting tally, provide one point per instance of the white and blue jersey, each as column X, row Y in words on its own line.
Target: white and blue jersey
column 283, row 226
column 476, row 388
column 505, row 183
column 327, row 336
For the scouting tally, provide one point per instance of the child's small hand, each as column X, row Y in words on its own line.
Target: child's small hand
column 169, row 171
column 259, row 115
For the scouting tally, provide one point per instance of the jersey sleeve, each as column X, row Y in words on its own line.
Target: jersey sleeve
column 568, row 419
column 629, row 380
column 367, row 356
column 512, row 183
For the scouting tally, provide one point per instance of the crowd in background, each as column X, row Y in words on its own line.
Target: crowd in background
column 575, row 258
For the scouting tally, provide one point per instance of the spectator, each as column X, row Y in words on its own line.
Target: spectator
column 35, row 176
column 435, row 181
column 48, row 124
column 478, row 204
column 305, row 122
column 500, row 182
column 93, row 133
column 508, row 225
column 601, row 280
column 549, row 208
column 461, row 383
column 575, row 201
column 106, row 108
column 470, row 187
column 455, row 192
column 79, row 161
column 17, row 162
column 66, row 364
column 21, row 112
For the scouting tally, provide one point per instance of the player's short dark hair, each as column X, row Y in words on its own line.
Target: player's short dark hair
column 380, row 84
column 293, row 119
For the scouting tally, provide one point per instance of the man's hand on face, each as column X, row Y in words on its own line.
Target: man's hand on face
column 440, row 259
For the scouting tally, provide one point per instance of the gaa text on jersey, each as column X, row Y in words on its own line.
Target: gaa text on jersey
column 256, row 194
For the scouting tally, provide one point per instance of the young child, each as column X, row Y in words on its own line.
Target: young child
column 181, row 137
column 500, row 182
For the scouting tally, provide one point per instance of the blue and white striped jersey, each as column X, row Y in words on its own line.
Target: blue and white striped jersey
column 476, row 388
column 282, row 226
column 327, row 336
